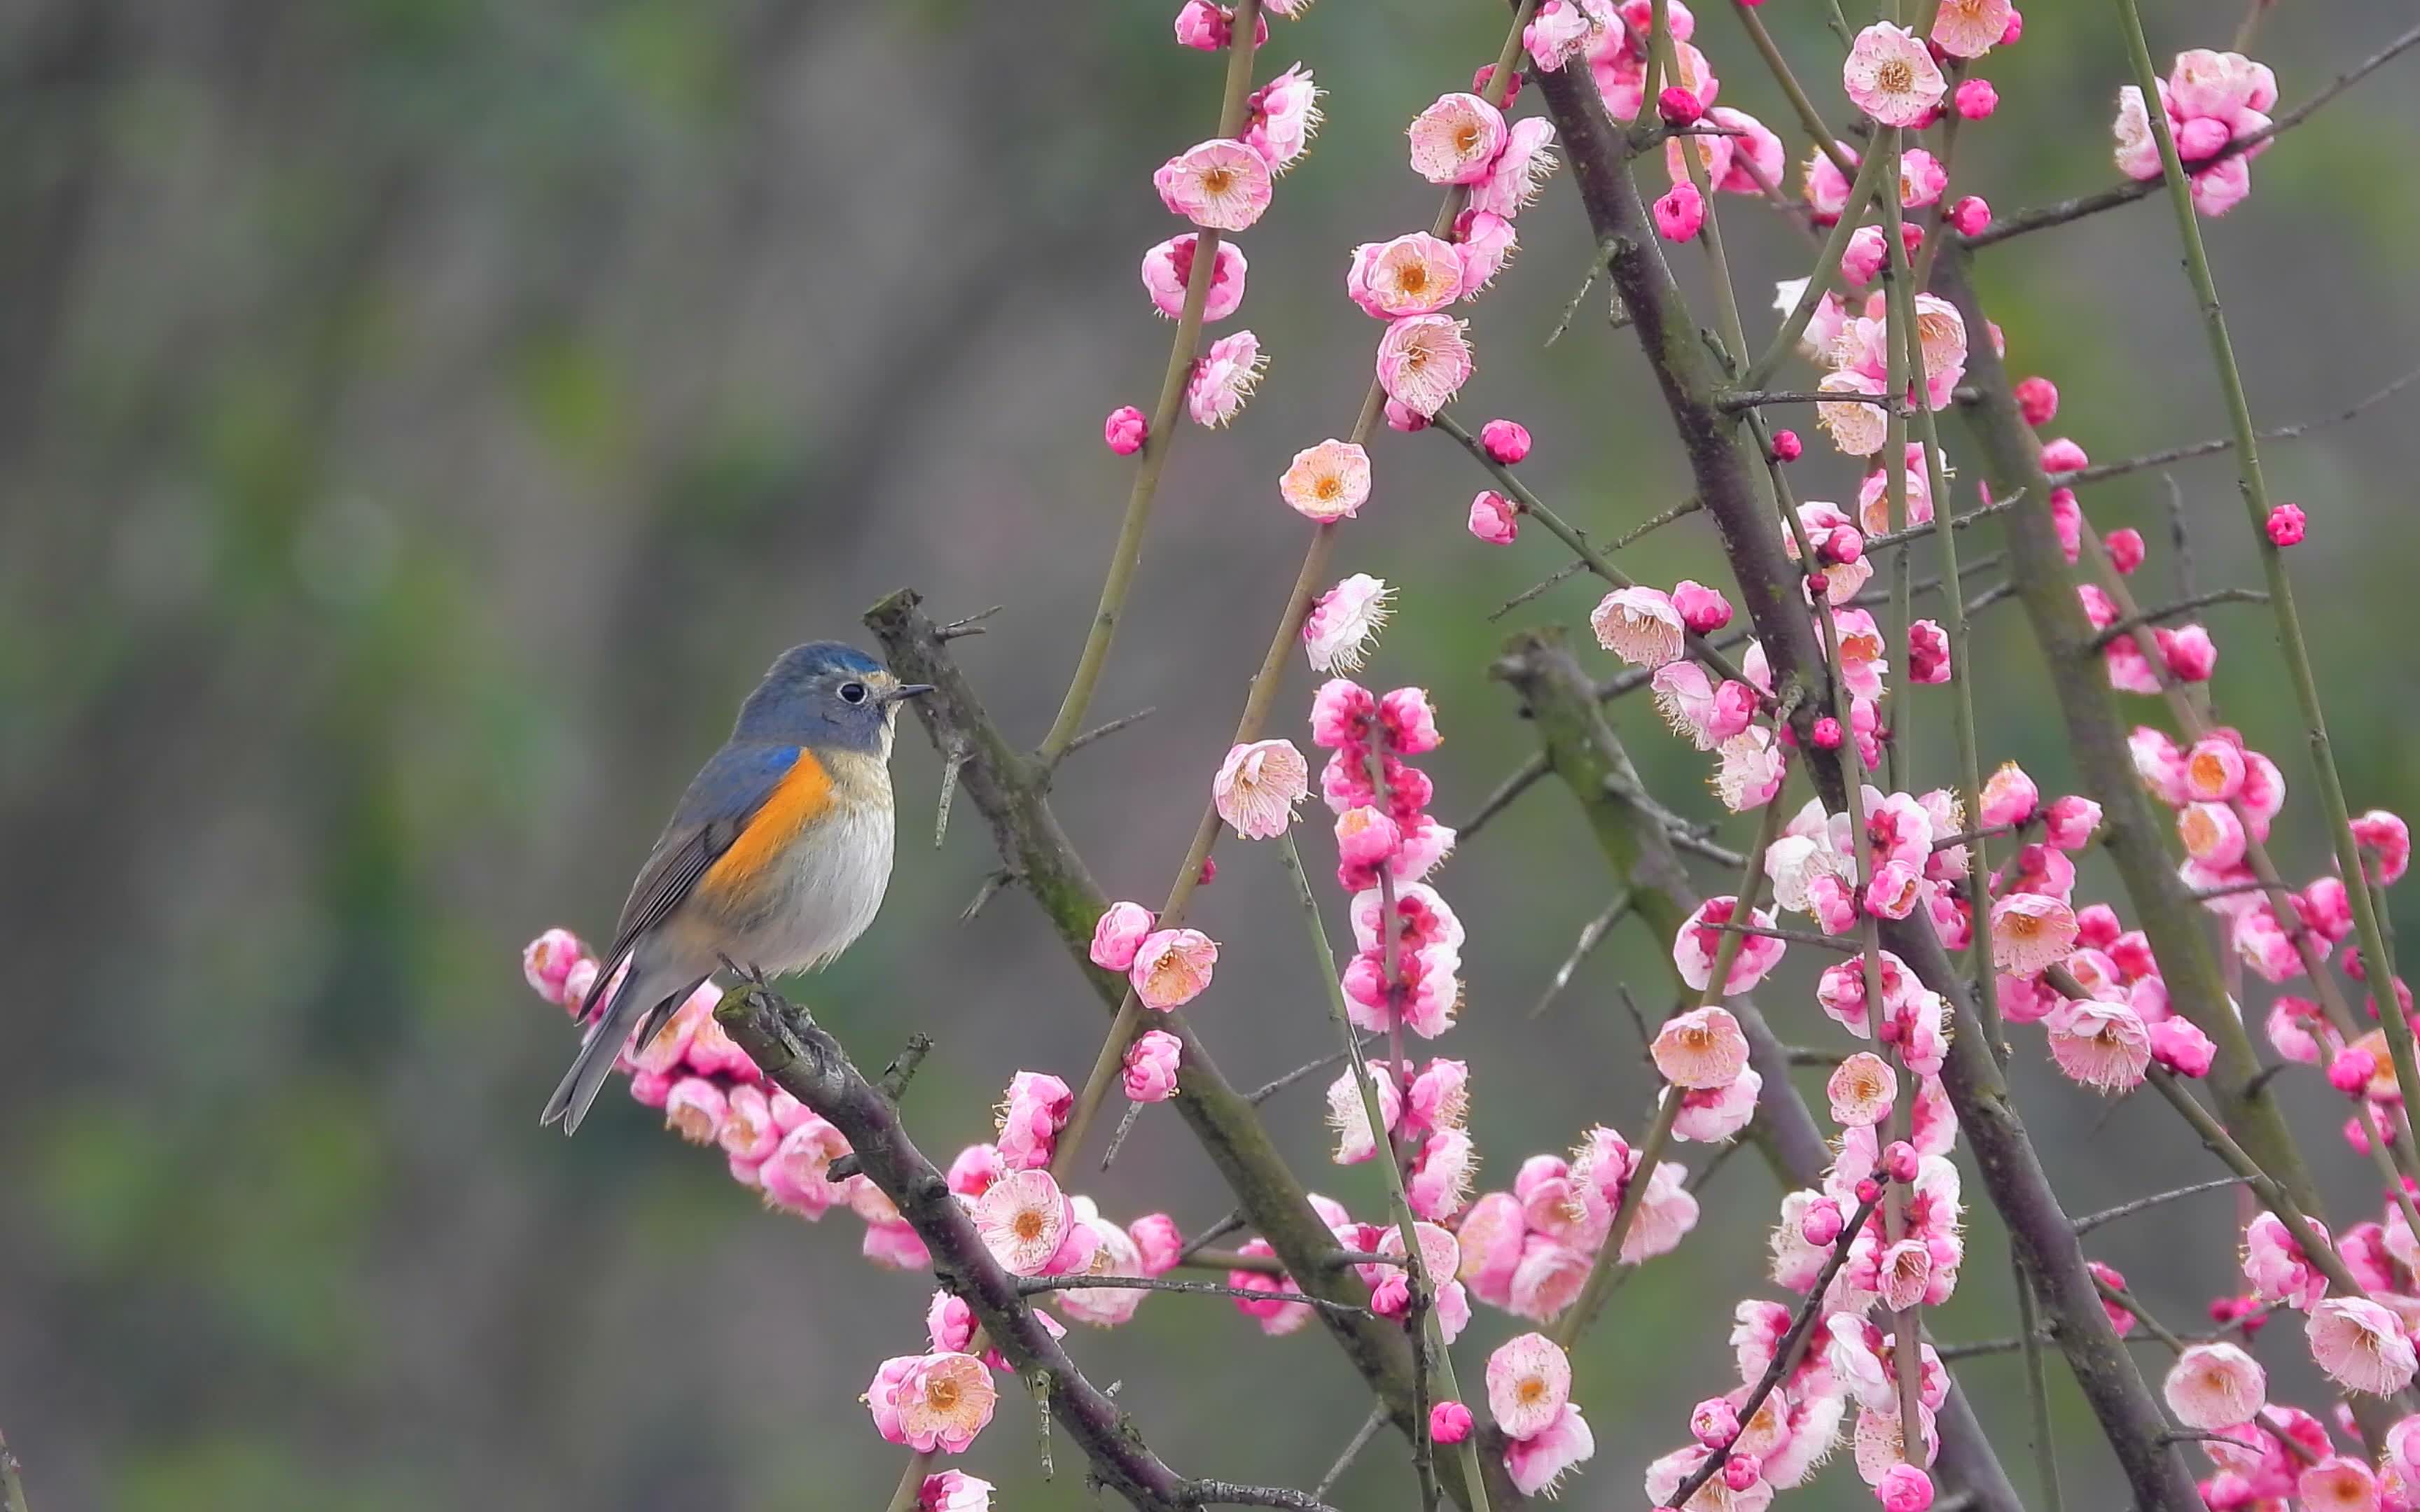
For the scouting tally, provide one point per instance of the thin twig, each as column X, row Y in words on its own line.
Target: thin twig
column 1591, row 934
column 1270, row 1090
column 1520, row 781
column 2216, row 444
column 1118, row 1139
column 972, row 625
column 2126, row 193
column 2133, row 623
column 1029, row 1286
column 1925, row 531
column 952, row 764
column 1360, row 1441
column 992, row 882
column 1101, row 731
column 1228, row 1493
column 2091, row 1220
column 1765, row 398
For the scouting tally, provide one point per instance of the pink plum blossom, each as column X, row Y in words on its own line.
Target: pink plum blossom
column 1456, row 140
column 1694, row 948
column 2361, row 1346
column 1166, row 267
column 1423, row 361
column 1219, row 185
column 1151, row 1066
column 1030, row 1119
column 1413, row 274
column 1639, row 625
column 1700, row 1049
column 1337, row 632
column 1970, row 28
column 1119, row 934
column 1326, row 482
column 1891, row 76
column 2103, row 1045
column 2214, row 1386
column 932, row 1402
column 1223, row 379
column 1173, row 966
column 1495, row 519
column 1281, row 117
column 1258, row 785
column 1125, row 430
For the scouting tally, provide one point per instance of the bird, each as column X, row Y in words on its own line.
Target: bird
column 775, row 860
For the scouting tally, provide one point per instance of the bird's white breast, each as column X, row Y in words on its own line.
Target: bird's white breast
column 829, row 884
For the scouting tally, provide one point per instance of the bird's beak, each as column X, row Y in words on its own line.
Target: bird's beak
column 910, row 690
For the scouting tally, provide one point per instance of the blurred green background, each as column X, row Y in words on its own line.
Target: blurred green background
column 424, row 419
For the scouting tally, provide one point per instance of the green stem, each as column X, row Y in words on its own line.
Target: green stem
column 1898, row 365
column 1128, row 555
column 2376, row 957
column 1418, row 1262
column 1819, row 282
column 1808, row 116
column 2036, row 1387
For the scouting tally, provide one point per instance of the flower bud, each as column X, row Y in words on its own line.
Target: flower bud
column 2037, row 400
column 1125, row 430
column 2125, row 550
column 1506, row 440
column 1787, row 447
column 1976, row 99
column 2286, row 525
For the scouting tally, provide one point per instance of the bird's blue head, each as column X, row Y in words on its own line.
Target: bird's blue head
column 826, row 695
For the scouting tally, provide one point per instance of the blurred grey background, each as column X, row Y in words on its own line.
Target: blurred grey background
column 424, row 419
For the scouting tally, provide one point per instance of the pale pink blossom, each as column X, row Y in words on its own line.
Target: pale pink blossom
column 1423, row 361
column 1528, row 1384
column 1714, row 1115
column 2275, row 1265
column 1151, row 1066
column 1030, row 1119
column 1702, row 1048
column 1441, row 1176
column 1350, row 1116
column 2385, row 844
column 1281, row 117
column 2103, row 1045
column 1640, row 626
column 1970, row 28
column 694, row 1109
column 2361, row 1346
column 1326, row 482
column 1519, row 171
column 1752, row 769
column 1857, row 429
column 1258, row 785
column 1495, row 519
column 1694, row 948
column 1223, row 379
column 1904, row 1488
column 1667, row 1213
column 1878, row 1442
column 2010, row 796
column 1337, row 632
column 1118, row 934
column 2338, row 1484
column 1890, row 75
column 1752, row 1493
column 1679, row 213
column 1556, row 34
column 1111, row 1252
column 1537, row 1462
column 1412, row 275
column 1756, row 153
column 1166, row 267
column 1456, row 140
column 1173, row 966
column 547, row 963
column 2214, row 1386
column 1485, row 241
column 932, row 1402
column 2071, row 822
column 1219, row 185
column 1030, row 1226
column 1862, row 1089
column 2030, row 932
column 953, row 1490
column 1873, row 494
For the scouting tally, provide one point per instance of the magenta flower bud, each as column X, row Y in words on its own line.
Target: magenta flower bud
column 1203, row 26
column 1702, row 609
column 1976, row 99
column 1911, row 238
column 1928, row 652
column 1741, row 1471
column 2063, row 456
column 1158, row 1240
column 1449, row 1422
column 2125, row 550
column 1125, row 430
column 1844, row 546
column 2015, row 30
column 1715, row 1422
column 1970, row 215
column 1119, row 934
column 2352, row 1070
column 1863, row 258
column 1366, row 836
column 1828, row 735
column 1679, row 214
column 1678, row 106
column 1821, row 1225
column 2073, row 818
column 2037, row 400
column 1870, row 1190
column 1506, row 440
column 1486, row 75
column 1403, row 418
column 1495, row 519
column 1151, row 1065
column 2177, row 1045
column 1787, row 446
column 1900, row 1160
column 1209, row 872
column 1904, row 1488
column 2286, row 525
column 1818, row 587
column 2201, row 137
column 2189, row 653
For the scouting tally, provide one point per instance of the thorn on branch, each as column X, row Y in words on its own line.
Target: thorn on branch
column 951, row 764
column 1102, row 731
column 1592, row 934
column 903, row 1067
column 992, row 884
column 972, row 625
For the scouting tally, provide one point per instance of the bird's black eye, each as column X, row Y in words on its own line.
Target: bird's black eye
column 852, row 692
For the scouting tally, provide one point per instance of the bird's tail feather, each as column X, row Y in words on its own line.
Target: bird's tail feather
column 646, row 1000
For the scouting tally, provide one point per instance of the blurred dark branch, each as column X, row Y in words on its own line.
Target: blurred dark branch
column 2226, row 443
column 2126, row 193
column 803, row 1060
column 1722, row 459
column 1009, row 790
column 12, row 1482
column 2091, row 1220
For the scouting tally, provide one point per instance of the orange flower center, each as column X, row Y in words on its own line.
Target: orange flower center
column 1413, row 279
column 1897, row 76
column 1466, row 136
column 941, row 1395
column 1329, row 486
column 1028, row 1226
column 1218, row 180
column 1533, row 1390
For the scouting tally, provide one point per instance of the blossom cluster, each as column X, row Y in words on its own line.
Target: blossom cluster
column 2213, row 101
